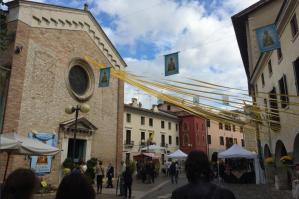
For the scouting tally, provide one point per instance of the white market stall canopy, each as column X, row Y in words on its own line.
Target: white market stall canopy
column 25, row 146
column 237, row 151
column 7, row 144
column 178, row 154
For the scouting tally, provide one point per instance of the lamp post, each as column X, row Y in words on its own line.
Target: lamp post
column 84, row 108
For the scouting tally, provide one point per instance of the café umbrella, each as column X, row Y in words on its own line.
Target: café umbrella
column 15, row 144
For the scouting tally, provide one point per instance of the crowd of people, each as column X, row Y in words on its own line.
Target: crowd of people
column 147, row 171
column 23, row 183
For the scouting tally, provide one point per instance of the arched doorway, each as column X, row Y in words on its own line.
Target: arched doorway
column 280, row 151
column 267, row 152
column 296, row 149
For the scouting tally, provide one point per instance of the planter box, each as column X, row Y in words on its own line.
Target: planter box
column 281, row 179
column 269, row 171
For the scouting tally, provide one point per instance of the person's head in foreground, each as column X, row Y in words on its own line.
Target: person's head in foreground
column 198, row 173
column 20, row 184
column 75, row 186
column 197, row 167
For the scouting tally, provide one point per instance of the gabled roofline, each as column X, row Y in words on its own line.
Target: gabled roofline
column 16, row 3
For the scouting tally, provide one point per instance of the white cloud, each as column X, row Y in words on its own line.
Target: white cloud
column 203, row 38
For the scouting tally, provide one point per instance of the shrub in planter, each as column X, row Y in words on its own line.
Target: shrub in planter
column 269, row 161
column 286, row 160
column 90, row 172
column 68, row 163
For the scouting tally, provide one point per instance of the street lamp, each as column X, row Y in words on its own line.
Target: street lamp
column 84, row 108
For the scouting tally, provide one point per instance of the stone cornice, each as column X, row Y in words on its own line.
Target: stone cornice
column 38, row 15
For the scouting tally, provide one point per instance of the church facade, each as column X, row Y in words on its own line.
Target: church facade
column 43, row 71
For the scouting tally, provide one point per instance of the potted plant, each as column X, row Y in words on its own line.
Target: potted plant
column 269, row 169
column 282, row 173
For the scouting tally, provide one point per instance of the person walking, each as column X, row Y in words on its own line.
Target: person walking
column 75, row 185
column 152, row 172
column 128, row 180
column 121, row 179
column 99, row 177
column 20, row 184
column 110, row 175
column 172, row 172
column 177, row 171
column 198, row 173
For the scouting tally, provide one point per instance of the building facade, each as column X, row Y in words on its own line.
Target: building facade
column 273, row 79
column 198, row 133
column 45, row 72
column 192, row 129
column 144, row 127
column 221, row 136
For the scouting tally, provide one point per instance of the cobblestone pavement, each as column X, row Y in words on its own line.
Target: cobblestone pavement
column 240, row 191
column 163, row 188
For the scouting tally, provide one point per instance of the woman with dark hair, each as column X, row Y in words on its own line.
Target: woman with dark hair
column 20, row 184
column 198, row 173
column 75, row 186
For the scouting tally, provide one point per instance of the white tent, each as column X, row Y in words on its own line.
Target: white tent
column 15, row 144
column 178, row 154
column 6, row 143
column 25, row 146
column 237, row 151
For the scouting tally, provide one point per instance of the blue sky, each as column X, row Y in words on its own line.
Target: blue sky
column 143, row 31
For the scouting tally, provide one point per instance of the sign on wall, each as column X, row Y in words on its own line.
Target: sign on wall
column 104, row 77
column 43, row 164
column 171, row 64
column 267, row 38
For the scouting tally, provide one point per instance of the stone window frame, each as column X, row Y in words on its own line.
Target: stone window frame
column 91, row 77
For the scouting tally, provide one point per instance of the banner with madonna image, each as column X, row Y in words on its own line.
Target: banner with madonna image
column 104, row 77
column 267, row 38
column 43, row 164
column 171, row 64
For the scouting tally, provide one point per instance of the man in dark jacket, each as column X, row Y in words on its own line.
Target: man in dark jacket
column 110, row 175
column 198, row 173
column 128, row 180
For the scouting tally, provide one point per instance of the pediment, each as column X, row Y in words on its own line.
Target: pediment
column 40, row 15
column 83, row 125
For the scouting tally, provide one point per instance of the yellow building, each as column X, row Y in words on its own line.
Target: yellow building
column 143, row 127
column 273, row 74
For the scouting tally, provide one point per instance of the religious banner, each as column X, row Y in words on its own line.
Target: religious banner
column 171, row 64
column 43, row 164
column 104, row 77
column 196, row 100
column 267, row 38
column 225, row 100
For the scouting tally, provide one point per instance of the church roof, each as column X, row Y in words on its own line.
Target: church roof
column 43, row 15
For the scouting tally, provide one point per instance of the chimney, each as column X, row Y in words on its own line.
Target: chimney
column 134, row 102
column 155, row 108
column 85, row 7
column 140, row 105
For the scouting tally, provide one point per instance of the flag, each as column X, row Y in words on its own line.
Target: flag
column 196, row 100
column 267, row 38
column 104, row 77
column 171, row 64
column 225, row 100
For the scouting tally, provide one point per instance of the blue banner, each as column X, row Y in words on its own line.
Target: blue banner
column 104, row 77
column 267, row 38
column 171, row 64
column 43, row 164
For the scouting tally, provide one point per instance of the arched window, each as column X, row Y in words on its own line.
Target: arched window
column 186, row 139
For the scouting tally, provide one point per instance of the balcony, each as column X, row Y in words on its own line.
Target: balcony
column 164, row 145
column 128, row 144
column 142, row 143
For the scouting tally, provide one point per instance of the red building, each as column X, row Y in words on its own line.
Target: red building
column 192, row 129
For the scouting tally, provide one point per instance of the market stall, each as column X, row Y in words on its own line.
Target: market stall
column 237, row 152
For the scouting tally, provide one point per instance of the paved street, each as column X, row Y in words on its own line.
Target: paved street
column 240, row 191
column 162, row 190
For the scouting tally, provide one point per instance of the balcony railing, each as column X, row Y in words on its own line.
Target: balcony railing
column 128, row 144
